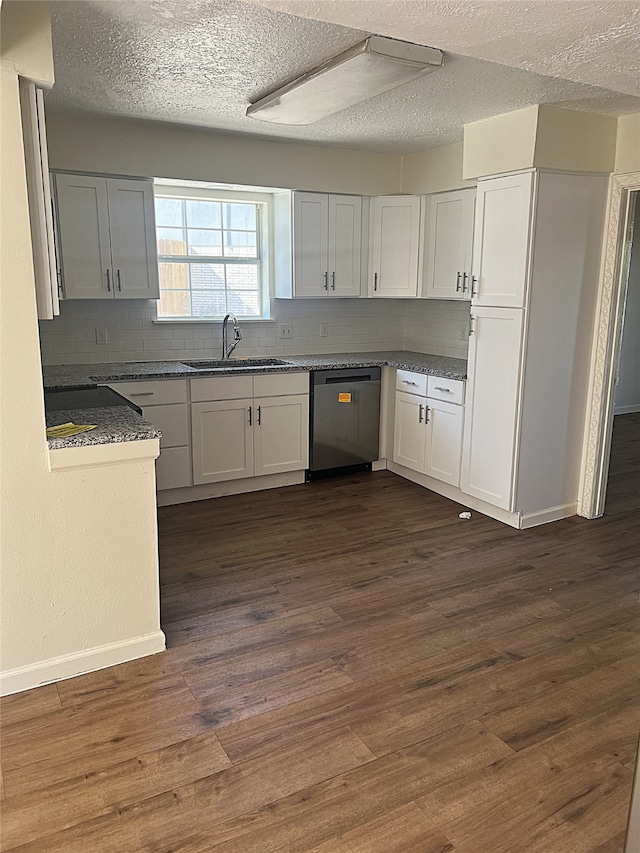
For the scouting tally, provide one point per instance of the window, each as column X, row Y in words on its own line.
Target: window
column 211, row 253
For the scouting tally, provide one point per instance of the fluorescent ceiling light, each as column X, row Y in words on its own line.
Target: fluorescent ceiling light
column 370, row 68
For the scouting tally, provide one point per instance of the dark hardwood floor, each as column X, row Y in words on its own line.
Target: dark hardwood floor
column 351, row 667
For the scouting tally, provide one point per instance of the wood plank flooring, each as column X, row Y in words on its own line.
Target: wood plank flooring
column 353, row 669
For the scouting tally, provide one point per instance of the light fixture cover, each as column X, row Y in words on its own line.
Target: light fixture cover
column 370, row 68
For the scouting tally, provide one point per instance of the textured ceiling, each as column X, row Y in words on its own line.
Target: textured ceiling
column 201, row 62
column 590, row 42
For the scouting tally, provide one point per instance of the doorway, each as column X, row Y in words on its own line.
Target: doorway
column 623, row 230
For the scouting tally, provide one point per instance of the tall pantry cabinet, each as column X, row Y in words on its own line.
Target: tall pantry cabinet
column 535, row 268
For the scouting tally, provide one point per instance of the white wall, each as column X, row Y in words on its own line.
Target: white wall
column 628, row 144
column 541, row 137
column 628, row 391
column 434, row 170
column 152, row 149
column 79, row 556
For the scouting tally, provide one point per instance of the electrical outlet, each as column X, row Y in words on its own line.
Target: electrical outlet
column 324, row 330
column 101, row 335
column 464, row 332
column 286, row 330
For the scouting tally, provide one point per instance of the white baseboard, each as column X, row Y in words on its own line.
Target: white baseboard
column 169, row 497
column 544, row 516
column 626, row 410
column 78, row 663
column 379, row 465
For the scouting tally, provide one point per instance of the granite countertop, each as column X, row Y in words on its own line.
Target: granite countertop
column 114, row 424
column 121, row 423
column 60, row 376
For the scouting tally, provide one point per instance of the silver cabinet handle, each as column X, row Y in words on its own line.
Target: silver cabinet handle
column 333, row 280
column 420, row 408
column 375, row 281
column 119, row 280
column 472, row 331
column 446, row 390
column 108, row 280
column 259, row 415
column 426, row 414
column 326, row 280
column 465, row 276
column 458, row 281
column 142, row 394
column 250, row 417
column 406, row 382
column 474, row 285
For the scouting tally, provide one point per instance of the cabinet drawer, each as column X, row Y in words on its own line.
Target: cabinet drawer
column 280, row 384
column 154, row 392
column 210, row 388
column 173, row 421
column 173, row 468
column 448, row 390
column 411, row 383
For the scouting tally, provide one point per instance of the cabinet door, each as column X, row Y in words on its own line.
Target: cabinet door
column 222, row 440
column 83, row 233
column 173, row 468
column 172, row 420
column 448, row 242
column 395, row 245
column 281, row 434
column 345, row 242
column 133, row 239
column 444, row 441
column 501, row 240
column 310, row 244
column 409, row 433
column 491, row 416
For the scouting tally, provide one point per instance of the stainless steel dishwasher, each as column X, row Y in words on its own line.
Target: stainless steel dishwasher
column 345, row 419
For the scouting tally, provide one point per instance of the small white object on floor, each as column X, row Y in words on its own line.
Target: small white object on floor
column 465, row 515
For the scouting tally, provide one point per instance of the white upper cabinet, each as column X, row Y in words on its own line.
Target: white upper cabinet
column 395, row 246
column 345, row 242
column 327, row 239
column 83, row 231
column 106, row 231
column 310, row 244
column 448, row 243
column 133, row 238
column 501, row 240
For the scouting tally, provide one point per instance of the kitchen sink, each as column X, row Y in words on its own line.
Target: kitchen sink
column 237, row 363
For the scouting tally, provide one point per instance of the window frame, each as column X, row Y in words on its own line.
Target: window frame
column 264, row 261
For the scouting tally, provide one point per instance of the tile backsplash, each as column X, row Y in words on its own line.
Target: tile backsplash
column 353, row 325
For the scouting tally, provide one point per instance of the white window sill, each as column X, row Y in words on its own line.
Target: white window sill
column 211, row 321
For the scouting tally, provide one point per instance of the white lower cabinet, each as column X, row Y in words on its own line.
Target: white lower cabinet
column 164, row 404
column 492, row 405
column 222, row 440
column 428, row 436
column 280, row 437
column 250, row 436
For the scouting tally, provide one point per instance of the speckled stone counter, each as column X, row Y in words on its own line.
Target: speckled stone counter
column 114, row 424
column 89, row 375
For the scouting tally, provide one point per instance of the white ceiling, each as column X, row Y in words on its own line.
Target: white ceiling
column 201, row 62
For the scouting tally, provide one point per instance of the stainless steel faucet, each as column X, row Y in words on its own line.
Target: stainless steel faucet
column 228, row 348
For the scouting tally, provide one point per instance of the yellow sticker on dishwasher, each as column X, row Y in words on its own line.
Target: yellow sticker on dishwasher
column 344, row 397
